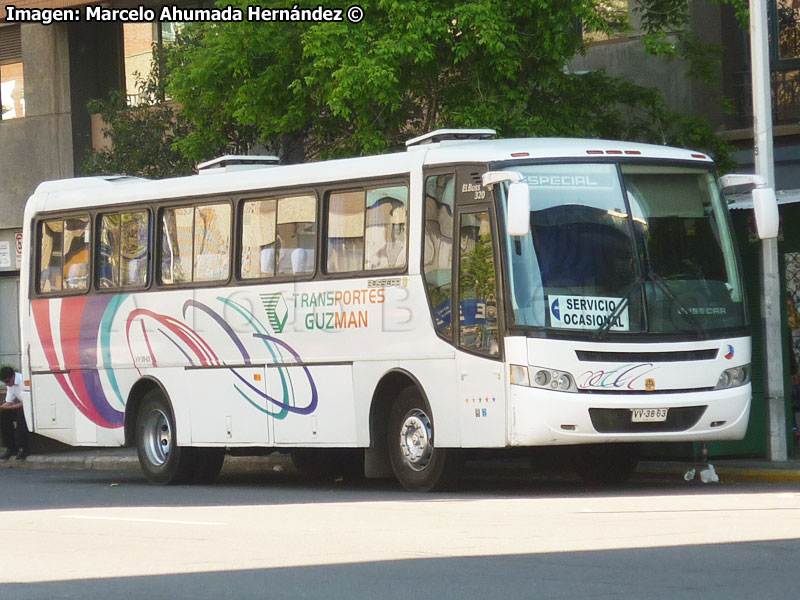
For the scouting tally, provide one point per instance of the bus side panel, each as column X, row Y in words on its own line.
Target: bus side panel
column 53, row 413
column 227, row 406
column 68, row 390
column 317, row 404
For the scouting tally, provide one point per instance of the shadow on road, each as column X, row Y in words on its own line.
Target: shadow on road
column 724, row 571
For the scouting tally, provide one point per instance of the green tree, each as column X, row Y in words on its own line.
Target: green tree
column 143, row 135
column 307, row 91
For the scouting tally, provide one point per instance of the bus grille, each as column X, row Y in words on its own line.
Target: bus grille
column 673, row 356
column 618, row 420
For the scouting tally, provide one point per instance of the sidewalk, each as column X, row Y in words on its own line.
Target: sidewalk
column 729, row 470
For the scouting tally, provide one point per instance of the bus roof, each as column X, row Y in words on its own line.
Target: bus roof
column 98, row 191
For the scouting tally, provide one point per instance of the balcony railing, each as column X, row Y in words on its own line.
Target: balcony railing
column 785, row 98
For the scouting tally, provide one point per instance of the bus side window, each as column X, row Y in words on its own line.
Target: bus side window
column 212, row 240
column 345, row 232
column 195, row 243
column 297, row 235
column 367, row 229
column 76, row 253
column 477, row 286
column 123, row 250
column 134, row 253
column 258, row 239
column 108, row 252
column 385, row 239
column 438, row 258
column 50, row 256
column 176, row 245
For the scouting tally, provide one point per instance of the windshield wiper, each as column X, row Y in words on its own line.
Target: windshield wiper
column 601, row 331
column 683, row 310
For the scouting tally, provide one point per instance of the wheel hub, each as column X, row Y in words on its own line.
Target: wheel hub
column 157, row 438
column 416, row 440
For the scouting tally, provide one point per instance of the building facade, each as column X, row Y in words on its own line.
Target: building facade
column 48, row 74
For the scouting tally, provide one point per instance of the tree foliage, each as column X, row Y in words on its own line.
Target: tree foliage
column 317, row 90
column 142, row 135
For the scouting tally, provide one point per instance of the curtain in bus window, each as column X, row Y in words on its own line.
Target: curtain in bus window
column 385, row 238
column 134, row 248
column 50, row 253
column 258, row 239
column 176, row 245
column 76, row 253
column 297, row 234
column 345, row 232
column 477, row 291
column 439, row 248
column 108, row 252
column 212, row 230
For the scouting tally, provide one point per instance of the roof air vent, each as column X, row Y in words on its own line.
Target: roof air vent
column 232, row 162
column 441, row 135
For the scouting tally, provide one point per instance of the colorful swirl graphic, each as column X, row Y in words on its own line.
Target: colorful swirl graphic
column 78, row 331
column 85, row 324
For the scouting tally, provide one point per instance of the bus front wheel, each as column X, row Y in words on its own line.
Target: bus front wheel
column 161, row 459
column 416, row 461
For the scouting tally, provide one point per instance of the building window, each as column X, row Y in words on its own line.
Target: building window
column 788, row 25
column 785, row 59
column 12, row 83
column 615, row 13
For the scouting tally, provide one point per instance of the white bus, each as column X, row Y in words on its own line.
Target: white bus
column 598, row 293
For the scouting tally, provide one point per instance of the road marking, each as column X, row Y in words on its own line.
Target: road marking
column 135, row 520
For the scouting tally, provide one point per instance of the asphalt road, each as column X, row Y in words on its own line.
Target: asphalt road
column 73, row 534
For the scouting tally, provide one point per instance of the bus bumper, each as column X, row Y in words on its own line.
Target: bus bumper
column 541, row 417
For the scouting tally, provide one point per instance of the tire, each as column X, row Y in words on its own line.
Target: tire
column 417, row 463
column 207, row 465
column 162, row 461
column 606, row 463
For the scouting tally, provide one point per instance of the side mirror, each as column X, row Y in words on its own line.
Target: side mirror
column 765, row 203
column 519, row 209
column 765, row 209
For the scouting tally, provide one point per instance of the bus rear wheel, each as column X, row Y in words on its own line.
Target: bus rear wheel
column 207, row 464
column 161, row 459
column 416, row 461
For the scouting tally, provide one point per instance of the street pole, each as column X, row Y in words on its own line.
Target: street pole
column 770, row 276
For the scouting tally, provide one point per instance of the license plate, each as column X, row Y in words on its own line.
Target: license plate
column 648, row 415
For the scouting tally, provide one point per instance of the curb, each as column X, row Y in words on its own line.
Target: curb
column 126, row 460
column 727, row 474
column 129, row 462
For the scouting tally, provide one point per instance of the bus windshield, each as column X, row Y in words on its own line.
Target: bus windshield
column 625, row 249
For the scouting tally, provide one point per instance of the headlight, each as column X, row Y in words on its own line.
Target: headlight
column 734, row 377
column 537, row 377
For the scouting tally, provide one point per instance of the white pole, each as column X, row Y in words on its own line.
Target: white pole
column 770, row 276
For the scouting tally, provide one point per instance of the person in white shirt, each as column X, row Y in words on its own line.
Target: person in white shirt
column 13, row 429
